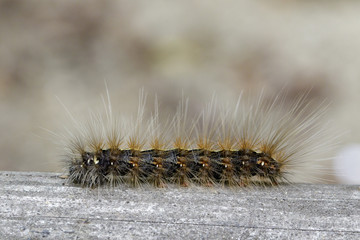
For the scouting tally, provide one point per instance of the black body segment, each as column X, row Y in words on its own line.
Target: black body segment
column 158, row 167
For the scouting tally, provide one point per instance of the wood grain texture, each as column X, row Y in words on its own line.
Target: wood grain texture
column 40, row 206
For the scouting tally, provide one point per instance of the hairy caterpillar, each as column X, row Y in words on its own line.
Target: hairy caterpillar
column 261, row 142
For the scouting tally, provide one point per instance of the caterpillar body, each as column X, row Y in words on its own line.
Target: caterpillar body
column 266, row 142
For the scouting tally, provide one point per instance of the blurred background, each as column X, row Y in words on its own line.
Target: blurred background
column 67, row 49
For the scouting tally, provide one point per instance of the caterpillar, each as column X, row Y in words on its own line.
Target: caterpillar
column 263, row 141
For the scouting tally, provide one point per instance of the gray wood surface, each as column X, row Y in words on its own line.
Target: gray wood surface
column 41, row 206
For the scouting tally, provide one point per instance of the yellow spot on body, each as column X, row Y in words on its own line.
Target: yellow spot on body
column 96, row 161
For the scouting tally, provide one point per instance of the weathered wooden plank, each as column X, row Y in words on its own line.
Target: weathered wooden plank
column 39, row 205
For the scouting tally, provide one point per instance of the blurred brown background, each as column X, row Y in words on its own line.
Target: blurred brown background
column 69, row 48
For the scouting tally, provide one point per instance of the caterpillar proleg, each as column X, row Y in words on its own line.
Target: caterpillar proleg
column 266, row 141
